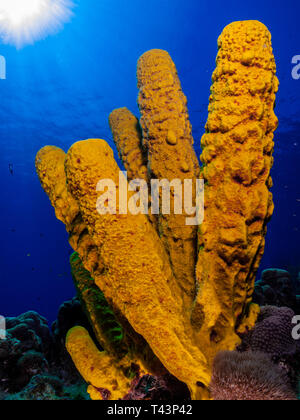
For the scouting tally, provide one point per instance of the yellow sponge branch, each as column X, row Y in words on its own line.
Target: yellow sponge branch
column 50, row 166
column 168, row 140
column 105, row 378
column 137, row 279
column 127, row 136
column 237, row 157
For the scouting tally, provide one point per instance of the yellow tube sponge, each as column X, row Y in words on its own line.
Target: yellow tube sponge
column 168, row 140
column 106, row 380
column 177, row 295
column 50, row 167
column 135, row 272
column 50, row 163
column 237, row 158
column 127, row 136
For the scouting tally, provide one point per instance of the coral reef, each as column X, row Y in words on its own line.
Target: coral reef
column 276, row 288
column 272, row 335
column 45, row 387
column 139, row 271
column 34, row 363
column 40, row 387
column 248, row 376
column 25, row 351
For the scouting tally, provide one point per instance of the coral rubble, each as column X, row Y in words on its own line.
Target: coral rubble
column 162, row 297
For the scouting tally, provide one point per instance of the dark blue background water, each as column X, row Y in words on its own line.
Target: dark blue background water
column 62, row 89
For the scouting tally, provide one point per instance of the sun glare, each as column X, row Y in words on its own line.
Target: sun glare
column 26, row 21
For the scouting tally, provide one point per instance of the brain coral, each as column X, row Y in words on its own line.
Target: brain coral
column 272, row 333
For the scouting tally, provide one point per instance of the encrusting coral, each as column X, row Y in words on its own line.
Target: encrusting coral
column 173, row 317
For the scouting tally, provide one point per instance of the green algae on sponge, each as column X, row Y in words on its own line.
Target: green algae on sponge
column 108, row 331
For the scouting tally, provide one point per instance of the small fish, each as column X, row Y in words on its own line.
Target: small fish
column 28, row 255
column 11, row 168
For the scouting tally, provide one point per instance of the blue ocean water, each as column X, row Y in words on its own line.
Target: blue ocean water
column 62, row 89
